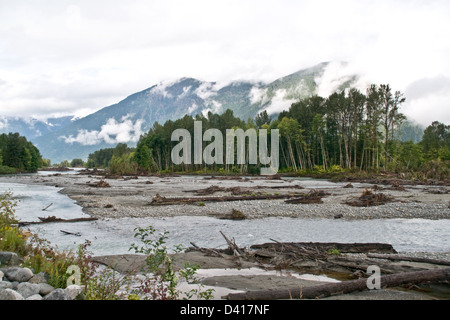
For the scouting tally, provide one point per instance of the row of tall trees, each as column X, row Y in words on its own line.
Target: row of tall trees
column 349, row 129
column 18, row 154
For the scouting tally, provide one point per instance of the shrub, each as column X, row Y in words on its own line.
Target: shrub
column 162, row 281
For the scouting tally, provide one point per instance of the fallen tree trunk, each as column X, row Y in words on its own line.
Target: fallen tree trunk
column 411, row 259
column 239, row 190
column 71, row 233
column 54, row 219
column 330, row 289
column 47, row 207
column 162, row 201
column 326, row 246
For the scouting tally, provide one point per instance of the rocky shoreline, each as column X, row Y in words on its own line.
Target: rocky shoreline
column 19, row 283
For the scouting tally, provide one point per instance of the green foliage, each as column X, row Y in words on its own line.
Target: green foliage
column 163, row 285
column 36, row 253
column 436, row 141
column 102, row 158
column 334, row 251
column 18, row 153
column 77, row 163
column 123, row 164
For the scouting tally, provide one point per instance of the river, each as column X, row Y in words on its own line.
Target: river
column 115, row 236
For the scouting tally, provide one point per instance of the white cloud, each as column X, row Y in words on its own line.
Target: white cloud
column 192, row 108
column 3, row 122
column 279, row 102
column 112, row 132
column 59, row 56
column 258, row 95
column 161, row 87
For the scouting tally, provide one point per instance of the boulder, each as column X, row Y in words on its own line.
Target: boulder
column 10, row 294
column 18, row 274
column 45, row 289
column 41, row 277
column 74, row 291
column 1, row 275
column 58, row 294
column 35, row 297
column 27, row 289
column 6, row 285
column 8, row 258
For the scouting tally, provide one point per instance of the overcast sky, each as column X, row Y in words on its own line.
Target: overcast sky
column 75, row 57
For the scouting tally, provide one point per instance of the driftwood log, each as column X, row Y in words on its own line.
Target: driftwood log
column 54, row 219
column 330, row 289
column 71, row 233
column 326, row 246
column 162, row 201
column 411, row 259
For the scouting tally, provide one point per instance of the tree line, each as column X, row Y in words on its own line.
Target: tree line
column 348, row 130
column 17, row 154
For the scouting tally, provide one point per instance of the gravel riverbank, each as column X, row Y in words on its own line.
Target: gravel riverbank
column 131, row 197
column 123, row 197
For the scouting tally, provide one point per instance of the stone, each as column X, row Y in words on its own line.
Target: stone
column 74, row 290
column 1, row 275
column 35, row 297
column 45, row 289
column 41, row 277
column 18, row 274
column 9, row 258
column 27, row 289
column 10, row 294
column 6, row 285
column 58, row 294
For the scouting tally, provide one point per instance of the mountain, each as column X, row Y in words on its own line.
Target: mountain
column 33, row 128
column 125, row 121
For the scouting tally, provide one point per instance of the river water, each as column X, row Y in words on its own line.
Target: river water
column 115, row 236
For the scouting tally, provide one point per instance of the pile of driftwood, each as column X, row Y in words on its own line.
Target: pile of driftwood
column 314, row 196
column 239, row 190
column 368, row 199
column 348, row 260
column 99, row 184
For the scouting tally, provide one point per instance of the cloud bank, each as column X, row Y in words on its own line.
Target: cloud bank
column 73, row 58
column 112, row 132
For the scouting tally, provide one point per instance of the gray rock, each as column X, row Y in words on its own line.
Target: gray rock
column 1, row 275
column 35, row 297
column 6, row 285
column 74, row 290
column 58, row 294
column 18, row 274
column 27, row 289
column 45, row 289
column 10, row 294
column 9, row 259
column 14, row 285
column 41, row 277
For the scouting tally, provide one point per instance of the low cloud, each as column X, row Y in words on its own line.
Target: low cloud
column 258, row 95
column 334, row 75
column 428, row 94
column 279, row 102
column 112, row 132
column 3, row 123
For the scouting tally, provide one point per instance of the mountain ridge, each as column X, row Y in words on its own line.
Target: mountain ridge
column 127, row 120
